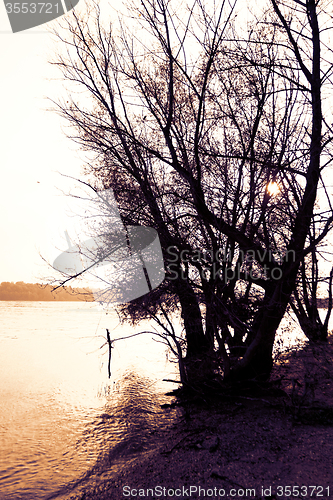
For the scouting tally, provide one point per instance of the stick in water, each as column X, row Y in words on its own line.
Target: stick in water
column 110, row 347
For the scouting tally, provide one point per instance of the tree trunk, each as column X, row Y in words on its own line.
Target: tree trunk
column 191, row 315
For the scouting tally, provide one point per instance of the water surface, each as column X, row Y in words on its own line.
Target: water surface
column 59, row 411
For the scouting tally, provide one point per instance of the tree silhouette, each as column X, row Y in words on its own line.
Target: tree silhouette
column 213, row 134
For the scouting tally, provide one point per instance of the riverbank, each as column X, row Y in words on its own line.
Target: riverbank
column 253, row 446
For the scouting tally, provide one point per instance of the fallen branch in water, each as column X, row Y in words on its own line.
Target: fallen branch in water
column 110, row 347
column 110, row 342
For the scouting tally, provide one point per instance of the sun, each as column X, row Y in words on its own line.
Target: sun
column 273, row 188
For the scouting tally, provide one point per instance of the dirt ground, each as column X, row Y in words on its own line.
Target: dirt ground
column 264, row 444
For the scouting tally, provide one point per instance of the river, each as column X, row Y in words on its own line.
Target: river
column 59, row 410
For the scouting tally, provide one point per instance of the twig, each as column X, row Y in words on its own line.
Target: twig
column 110, row 347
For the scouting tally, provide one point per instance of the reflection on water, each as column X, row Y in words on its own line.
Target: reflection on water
column 128, row 415
column 123, row 430
column 60, row 415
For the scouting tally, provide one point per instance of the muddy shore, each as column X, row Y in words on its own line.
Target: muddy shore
column 275, row 443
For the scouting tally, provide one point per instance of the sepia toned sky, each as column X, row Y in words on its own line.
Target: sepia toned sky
column 34, row 151
column 34, row 154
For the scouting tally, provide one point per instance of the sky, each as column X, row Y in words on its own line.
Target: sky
column 34, row 152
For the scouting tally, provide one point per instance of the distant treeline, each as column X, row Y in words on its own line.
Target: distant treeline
column 39, row 292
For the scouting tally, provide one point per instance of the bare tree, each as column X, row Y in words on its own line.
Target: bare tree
column 214, row 139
